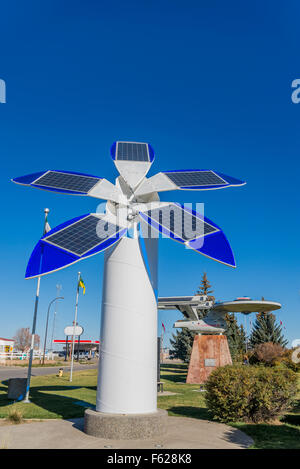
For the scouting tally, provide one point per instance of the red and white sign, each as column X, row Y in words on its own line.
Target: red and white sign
column 58, row 341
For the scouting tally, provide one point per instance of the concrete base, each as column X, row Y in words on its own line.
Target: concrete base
column 208, row 353
column 181, row 433
column 125, row 426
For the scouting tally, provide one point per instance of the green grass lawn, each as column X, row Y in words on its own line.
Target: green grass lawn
column 54, row 397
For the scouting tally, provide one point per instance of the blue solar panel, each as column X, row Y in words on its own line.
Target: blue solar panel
column 195, row 178
column 83, row 235
column 66, row 181
column 61, row 247
column 130, row 151
column 203, row 236
column 182, row 224
column 60, row 181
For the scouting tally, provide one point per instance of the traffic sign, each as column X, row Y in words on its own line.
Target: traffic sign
column 73, row 330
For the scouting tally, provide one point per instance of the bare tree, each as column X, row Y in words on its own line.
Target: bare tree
column 23, row 339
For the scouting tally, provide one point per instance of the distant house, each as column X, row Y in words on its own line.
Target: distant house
column 6, row 345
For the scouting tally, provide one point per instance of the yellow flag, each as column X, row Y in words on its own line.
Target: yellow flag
column 81, row 285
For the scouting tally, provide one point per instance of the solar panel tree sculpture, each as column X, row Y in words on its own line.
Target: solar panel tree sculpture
column 128, row 231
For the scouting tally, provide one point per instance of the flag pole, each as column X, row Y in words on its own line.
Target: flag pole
column 74, row 325
column 37, row 295
column 246, row 333
column 162, row 345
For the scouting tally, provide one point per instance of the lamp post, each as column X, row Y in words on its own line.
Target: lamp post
column 58, row 288
column 45, row 342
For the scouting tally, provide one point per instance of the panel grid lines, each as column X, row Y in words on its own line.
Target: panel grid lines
column 83, row 235
column 180, row 222
column 66, row 181
column 130, row 151
column 195, row 178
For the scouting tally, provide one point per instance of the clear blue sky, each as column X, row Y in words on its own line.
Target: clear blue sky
column 208, row 84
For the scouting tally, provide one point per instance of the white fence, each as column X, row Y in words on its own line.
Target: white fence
column 37, row 355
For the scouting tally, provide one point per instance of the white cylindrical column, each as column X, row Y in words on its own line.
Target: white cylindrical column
column 128, row 349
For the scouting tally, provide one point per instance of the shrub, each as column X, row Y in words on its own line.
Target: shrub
column 15, row 416
column 227, row 393
column 268, row 354
column 250, row 393
column 289, row 362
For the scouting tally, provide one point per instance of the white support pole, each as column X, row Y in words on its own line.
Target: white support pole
column 128, row 344
column 75, row 323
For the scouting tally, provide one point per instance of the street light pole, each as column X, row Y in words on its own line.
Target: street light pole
column 58, row 288
column 45, row 342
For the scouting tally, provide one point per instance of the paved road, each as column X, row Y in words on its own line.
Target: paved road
column 7, row 372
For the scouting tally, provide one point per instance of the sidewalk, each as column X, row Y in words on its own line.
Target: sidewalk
column 182, row 433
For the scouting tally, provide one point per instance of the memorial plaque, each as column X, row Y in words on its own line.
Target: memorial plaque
column 210, row 362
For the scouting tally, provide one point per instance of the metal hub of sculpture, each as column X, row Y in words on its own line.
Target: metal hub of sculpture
column 128, row 232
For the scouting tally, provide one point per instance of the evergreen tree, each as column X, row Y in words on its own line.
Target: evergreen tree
column 182, row 344
column 236, row 338
column 204, row 289
column 265, row 330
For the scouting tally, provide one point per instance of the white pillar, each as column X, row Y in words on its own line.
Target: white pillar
column 127, row 381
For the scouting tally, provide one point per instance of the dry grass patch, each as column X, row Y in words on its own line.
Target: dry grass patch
column 15, row 416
